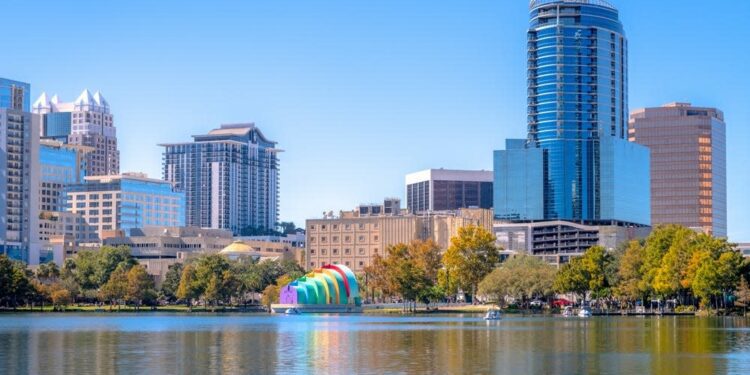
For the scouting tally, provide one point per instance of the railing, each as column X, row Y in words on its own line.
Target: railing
column 536, row 3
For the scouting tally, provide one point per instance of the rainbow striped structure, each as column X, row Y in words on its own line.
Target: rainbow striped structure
column 331, row 285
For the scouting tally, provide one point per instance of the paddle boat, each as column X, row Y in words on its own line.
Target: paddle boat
column 584, row 312
column 493, row 314
column 292, row 311
column 568, row 311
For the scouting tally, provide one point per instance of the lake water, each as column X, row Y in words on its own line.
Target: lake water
column 237, row 344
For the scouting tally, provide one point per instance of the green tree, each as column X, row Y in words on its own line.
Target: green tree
column 172, row 282
column 523, row 277
column 572, row 278
column 140, row 285
column 116, row 287
column 471, row 255
column 61, row 298
column 596, row 262
column 189, row 288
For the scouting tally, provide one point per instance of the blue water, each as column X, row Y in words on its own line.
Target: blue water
column 149, row 343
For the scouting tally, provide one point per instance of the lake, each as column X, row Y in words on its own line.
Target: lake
column 153, row 343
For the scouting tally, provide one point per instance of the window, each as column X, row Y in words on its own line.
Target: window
column 324, row 251
column 312, row 264
column 347, row 238
column 323, row 227
column 361, row 251
column 335, row 227
column 312, row 251
column 361, row 226
column 323, row 239
column 312, row 227
column 375, row 238
column 361, row 238
column 335, row 252
column 335, row 238
column 347, row 251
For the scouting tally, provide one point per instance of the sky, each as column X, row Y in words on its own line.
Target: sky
column 358, row 93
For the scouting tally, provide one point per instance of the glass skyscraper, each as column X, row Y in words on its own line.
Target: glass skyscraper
column 576, row 152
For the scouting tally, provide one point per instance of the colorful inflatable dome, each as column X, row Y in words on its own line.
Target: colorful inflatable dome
column 331, row 285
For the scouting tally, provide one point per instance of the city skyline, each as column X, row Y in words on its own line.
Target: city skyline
column 320, row 103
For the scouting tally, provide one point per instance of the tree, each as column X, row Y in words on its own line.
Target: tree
column 116, row 287
column 595, row 262
column 213, row 291
column 272, row 292
column 631, row 285
column 572, row 278
column 522, row 277
column 47, row 272
column 743, row 294
column 139, row 285
column 61, row 298
column 172, row 281
column 471, row 255
column 189, row 289
column 15, row 282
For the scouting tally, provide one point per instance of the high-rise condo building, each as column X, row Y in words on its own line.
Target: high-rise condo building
column 87, row 121
column 118, row 203
column 446, row 190
column 688, row 164
column 576, row 163
column 230, row 177
column 19, row 173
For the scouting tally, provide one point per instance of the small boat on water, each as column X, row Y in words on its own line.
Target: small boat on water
column 292, row 311
column 493, row 314
column 584, row 312
column 567, row 311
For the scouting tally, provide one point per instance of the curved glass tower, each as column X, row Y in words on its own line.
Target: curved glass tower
column 576, row 163
column 577, row 81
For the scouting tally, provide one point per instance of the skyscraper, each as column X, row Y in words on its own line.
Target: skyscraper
column 576, row 157
column 19, row 168
column 61, row 165
column 87, row 121
column 688, row 164
column 230, row 177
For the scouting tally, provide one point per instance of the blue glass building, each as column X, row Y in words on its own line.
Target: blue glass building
column 57, row 125
column 61, row 165
column 15, row 95
column 577, row 120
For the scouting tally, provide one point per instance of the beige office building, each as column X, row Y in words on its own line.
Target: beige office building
column 354, row 238
column 688, row 165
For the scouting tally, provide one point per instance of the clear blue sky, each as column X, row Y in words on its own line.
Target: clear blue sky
column 358, row 93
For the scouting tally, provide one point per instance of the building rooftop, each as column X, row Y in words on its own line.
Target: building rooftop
column 536, row 3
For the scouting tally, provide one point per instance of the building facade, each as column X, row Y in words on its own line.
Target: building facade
column 158, row 247
column 19, row 185
column 87, row 121
column 576, row 152
column 444, row 190
column 230, row 177
column 354, row 240
column 119, row 203
column 60, row 165
column 688, row 164
column 63, row 234
column 557, row 241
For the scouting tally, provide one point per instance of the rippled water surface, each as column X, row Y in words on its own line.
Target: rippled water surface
column 150, row 343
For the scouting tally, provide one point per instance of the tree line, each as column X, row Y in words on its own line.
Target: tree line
column 673, row 262
column 112, row 277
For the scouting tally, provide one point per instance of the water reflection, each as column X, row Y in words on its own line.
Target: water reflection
column 164, row 344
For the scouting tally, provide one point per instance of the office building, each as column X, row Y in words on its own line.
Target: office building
column 576, row 163
column 19, row 182
column 688, row 164
column 230, row 177
column 87, row 121
column 557, row 241
column 63, row 234
column 119, row 203
column 353, row 239
column 444, row 190
column 60, row 165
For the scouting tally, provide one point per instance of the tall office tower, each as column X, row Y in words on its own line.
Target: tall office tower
column 688, row 164
column 61, row 165
column 230, row 177
column 19, row 171
column 446, row 190
column 87, row 121
column 576, row 162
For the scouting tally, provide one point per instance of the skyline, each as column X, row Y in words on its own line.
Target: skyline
column 422, row 74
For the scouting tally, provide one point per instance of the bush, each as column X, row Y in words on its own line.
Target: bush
column 684, row 309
